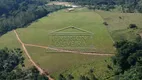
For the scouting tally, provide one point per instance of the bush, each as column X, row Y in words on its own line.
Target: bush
column 105, row 23
column 70, row 77
column 120, row 17
column 133, row 26
column 61, row 77
column 84, row 78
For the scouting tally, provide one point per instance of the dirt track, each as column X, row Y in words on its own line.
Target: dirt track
column 55, row 49
column 61, row 50
column 30, row 59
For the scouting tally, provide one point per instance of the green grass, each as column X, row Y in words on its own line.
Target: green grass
column 68, row 63
column 9, row 40
column 37, row 32
column 119, row 27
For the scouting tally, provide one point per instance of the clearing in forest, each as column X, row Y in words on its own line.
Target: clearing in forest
column 38, row 33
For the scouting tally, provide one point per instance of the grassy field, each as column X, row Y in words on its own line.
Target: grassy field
column 119, row 23
column 65, row 63
column 37, row 32
column 9, row 40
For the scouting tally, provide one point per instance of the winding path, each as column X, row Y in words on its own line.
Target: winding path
column 62, row 50
column 55, row 49
column 29, row 57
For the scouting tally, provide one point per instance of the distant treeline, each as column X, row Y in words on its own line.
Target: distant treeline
column 127, row 5
column 19, row 13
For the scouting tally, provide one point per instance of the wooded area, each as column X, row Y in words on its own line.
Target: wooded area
column 127, row 5
column 19, row 13
column 128, row 60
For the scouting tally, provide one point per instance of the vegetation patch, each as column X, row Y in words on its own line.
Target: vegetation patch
column 122, row 25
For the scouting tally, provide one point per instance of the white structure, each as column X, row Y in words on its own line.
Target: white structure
column 70, row 9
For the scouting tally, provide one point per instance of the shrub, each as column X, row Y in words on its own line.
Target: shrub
column 105, row 23
column 120, row 17
column 70, row 77
column 133, row 26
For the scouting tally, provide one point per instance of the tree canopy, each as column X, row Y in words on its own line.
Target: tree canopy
column 12, row 67
column 127, row 5
column 128, row 60
column 19, row 13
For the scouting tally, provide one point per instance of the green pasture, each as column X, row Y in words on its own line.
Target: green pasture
column 9, row 40
column 67, row 63
column 38, row 32
column 118, row 24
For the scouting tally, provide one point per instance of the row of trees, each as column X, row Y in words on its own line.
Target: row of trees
column 12, row 67
column 127, row 5
column 130, row 5
column 19, row 13
column 89, row 76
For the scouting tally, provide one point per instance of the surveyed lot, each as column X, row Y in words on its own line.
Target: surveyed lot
column 38, row 32
column 59, row 62
column 67, row 63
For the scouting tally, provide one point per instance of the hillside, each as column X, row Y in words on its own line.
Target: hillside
column 71, row 40
column 118, row 24
column 37, row 33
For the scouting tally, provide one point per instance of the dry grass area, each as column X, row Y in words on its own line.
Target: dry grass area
column 118, row 24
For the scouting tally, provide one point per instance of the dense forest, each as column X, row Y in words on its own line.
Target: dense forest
column 127, row 5
column 128, row 60
column 19, row 13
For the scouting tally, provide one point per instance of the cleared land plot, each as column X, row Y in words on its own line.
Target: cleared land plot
column 37, row 32
column 68, row 63
column 9, row 40
column 56, row 62
column 118, row 24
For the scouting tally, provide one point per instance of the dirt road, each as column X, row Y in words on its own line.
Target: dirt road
column 55, row 49
column 75, row 52
column 29, row 57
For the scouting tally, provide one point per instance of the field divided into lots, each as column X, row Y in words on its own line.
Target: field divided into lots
column 67, row 63
column 38, row 32
column 59, row 62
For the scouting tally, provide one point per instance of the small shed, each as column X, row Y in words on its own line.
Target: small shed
column 70, row 9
